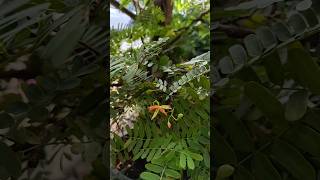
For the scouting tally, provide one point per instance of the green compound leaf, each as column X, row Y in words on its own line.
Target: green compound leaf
column 183, row 160
column 149, row 176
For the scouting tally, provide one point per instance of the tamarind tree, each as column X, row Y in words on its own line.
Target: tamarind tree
column 154, row 86
column 266, row 90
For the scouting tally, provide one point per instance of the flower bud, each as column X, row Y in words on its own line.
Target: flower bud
column 180, row 116
column 169, row 125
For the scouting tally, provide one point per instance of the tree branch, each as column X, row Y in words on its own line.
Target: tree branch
column 137, row 6
column 122, row 9
column 234, row 31
column 90, row 48
column 199, row 18
column 185, row 29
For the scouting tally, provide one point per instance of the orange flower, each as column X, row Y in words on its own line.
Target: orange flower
column 158, row 108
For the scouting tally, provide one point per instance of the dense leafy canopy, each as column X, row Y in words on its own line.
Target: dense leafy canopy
column 266, row 90
column 160, row 93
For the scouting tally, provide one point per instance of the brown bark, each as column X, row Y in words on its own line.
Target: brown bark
column 166, row 6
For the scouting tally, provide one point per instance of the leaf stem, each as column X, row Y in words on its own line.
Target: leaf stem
column 262, row 147
column 163, row 172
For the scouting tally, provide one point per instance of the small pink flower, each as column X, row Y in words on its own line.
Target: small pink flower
column 31, row 81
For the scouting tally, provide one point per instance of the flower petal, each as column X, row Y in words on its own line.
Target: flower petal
column 155, row 114
column 163, row 112
column 152, row 108
column 165, row 107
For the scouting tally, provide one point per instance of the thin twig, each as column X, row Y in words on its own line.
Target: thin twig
column 90, row 48
column 185, row 29
column 53, row 143
column 292, row 89
column 6, row 137
column 234, row 31
column 137, row 6
column 123, row 9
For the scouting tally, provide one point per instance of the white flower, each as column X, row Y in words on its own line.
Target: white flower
column 134, row 45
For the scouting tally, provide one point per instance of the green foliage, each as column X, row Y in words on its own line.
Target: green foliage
column 169, row 150
column 266, row 92
column 62, row 47
column 199, row 68
column 161, row 80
